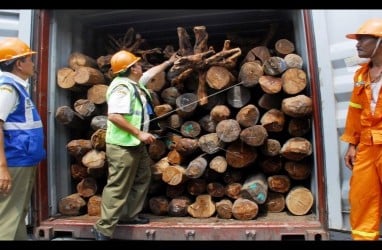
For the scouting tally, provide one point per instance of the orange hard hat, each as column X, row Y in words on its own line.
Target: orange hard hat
column 12, row 47
column 122, row 60
column 371, row 27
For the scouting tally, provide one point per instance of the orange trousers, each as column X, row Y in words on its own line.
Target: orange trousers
column 365, row 195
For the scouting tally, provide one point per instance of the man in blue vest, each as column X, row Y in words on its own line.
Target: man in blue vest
column 127, row 135
column 21, row 138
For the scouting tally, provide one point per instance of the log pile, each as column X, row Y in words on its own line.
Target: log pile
column 234, row 130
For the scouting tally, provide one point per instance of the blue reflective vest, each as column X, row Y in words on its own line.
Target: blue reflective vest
column 23, row 131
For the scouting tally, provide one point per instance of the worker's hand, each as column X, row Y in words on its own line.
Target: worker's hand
column 350, row 156
column 173, row 58
column 146, row 138
column 5, row 180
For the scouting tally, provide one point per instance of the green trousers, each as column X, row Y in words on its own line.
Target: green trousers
column 129, row 177
column 14, row 206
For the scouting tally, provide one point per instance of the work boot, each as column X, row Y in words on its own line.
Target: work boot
column 136, row 220
column 99, row 236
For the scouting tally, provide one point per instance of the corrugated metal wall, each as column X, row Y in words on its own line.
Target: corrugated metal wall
column 337, row 60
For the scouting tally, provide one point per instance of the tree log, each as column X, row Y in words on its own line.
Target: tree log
column 196, row 167
column 88, row 76
column 293, row 61
column 274, row 66
column 271, row 84
column 219, row 77
column 297, row 106
column 219, row 164
column 228, row 130
column 298, row 170
column 249, row 74
column 78, row 171
column 244, row 209
column 98, row 139
column 275, row 202
column 296, row 148
column 215, row 189
column 224, row 209
column 299, row 200
column 186, row 146
column 208, row 124
column 174, row 175
column 190, row 129
column 196, row 187
column 97, row 93
column 240, row 155
column 271, row 147
column 98, row 122
column 248, row 116
column 299, row 126
column 87, row 187
column 178, row 206
column 65, row 80
column 86, row 108
column 169, row 95
column 157, row 150
column 94, row 205
column 94, row 159
column 279, row 183
column 255, row 188
column 284, row 47
column 77, row 60
column 270, row 101
column 293, row 81
column 72, row 205
column 273, row 120
column 254, row 136
column 271, row 165
column 78, row 148
column 65, row 115
column 220, row 113
column 203, row 207
column 232, row 190
column 210, row 143
column 159, row 205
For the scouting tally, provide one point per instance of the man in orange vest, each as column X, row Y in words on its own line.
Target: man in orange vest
column 363, row 133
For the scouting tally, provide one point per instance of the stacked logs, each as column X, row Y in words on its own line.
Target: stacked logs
column 233, row 139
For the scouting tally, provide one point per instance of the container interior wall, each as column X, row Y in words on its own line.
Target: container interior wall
column 86, row 31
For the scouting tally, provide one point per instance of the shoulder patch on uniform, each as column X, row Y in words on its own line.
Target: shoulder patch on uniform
column 8, row 88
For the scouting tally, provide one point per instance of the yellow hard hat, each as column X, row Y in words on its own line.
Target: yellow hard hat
column 12, row 47
column 122, row 60
column 371, row 27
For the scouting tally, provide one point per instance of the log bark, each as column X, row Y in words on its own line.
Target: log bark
column 255, row 188
column 244, row 209
column 201, row 39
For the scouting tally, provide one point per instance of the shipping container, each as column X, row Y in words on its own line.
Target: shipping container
column 329, row 62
